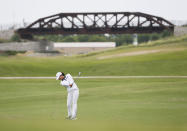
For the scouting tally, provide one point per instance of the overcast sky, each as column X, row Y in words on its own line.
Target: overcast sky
column 14, row 11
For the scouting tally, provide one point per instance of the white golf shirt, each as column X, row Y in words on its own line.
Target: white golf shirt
column 67, row 81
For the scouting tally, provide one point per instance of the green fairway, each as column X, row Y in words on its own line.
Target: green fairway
column 104, row 104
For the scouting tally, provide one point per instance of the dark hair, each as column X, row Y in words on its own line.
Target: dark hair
column 63, row 74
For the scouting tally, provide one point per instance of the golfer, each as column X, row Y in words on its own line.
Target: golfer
column 73, row 93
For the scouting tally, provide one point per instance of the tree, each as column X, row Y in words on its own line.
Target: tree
column 16, row 38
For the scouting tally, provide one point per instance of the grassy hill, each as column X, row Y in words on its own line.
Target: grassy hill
column 104, row 104
column 162, row 57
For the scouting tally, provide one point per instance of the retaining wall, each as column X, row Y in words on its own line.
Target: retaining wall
column 180, row 31
column 27, row 46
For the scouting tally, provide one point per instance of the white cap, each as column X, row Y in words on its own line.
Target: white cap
column 58, row 74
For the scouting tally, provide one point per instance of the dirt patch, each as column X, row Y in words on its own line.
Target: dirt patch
column 135, row 53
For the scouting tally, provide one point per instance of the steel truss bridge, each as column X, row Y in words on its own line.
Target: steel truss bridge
column 96, row 23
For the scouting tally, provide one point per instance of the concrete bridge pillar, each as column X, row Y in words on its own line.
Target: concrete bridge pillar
column 135, row 39
column 45, row 46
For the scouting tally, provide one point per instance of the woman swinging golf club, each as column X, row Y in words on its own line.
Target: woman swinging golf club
column 73, row 93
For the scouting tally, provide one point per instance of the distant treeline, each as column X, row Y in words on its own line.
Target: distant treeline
column 14, row 38
column 185, row 25
column 122, row 39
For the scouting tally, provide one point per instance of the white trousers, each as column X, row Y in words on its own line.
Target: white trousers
column 72, row 99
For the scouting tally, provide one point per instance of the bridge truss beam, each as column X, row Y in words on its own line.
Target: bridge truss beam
column 97, row 23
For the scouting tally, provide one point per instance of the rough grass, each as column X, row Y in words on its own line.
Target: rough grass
column 165, row 42
column 104, row 104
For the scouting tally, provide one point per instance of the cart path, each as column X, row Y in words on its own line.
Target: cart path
column 96, row 77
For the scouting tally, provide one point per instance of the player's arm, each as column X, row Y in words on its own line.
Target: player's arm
column 70, row 79
column 64, row 83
